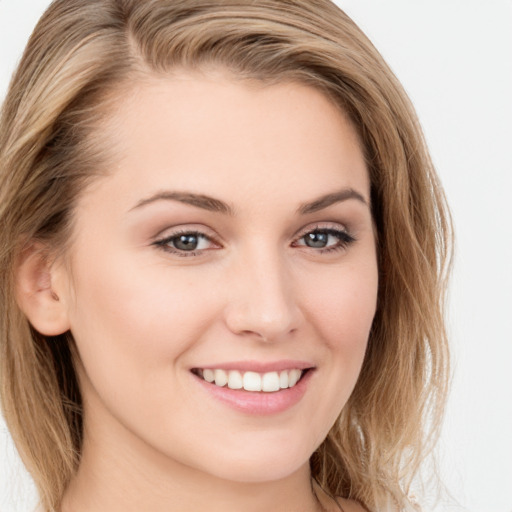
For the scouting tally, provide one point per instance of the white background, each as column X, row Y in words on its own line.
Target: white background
column 454, row 58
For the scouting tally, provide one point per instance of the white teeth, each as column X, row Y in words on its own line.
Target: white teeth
column 283, row 380
column 208, row 375
column 270, row 382
column 221, row 378
column 235, row 380
column 293, row 377
column 252, row 381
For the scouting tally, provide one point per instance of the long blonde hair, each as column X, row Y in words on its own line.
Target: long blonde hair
column 78, row 60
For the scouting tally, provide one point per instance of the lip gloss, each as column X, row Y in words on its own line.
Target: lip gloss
column 258, row 402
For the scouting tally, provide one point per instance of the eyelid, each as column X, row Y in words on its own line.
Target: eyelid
column 345, row 237
column 321, row 226
column 170, row 231
column 163, row 239
column 165, row 236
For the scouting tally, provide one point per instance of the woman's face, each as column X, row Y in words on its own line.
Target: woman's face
column 232, row 240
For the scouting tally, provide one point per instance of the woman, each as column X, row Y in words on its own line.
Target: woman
column 224, row 257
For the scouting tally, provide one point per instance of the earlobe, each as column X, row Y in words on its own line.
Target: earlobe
column 44, row 306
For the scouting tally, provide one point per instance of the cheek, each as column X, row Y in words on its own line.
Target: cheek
column 133, row 318
column 342, row 305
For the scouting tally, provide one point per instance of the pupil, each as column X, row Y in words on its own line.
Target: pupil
column 186, row 242
column 316, row 239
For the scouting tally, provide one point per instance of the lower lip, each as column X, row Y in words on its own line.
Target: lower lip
column 258, row 403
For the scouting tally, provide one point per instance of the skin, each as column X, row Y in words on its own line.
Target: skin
column 144, row 316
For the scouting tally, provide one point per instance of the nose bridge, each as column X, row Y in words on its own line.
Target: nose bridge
column 261, row 299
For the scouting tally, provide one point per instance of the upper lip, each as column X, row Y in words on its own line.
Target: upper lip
column 259, row 366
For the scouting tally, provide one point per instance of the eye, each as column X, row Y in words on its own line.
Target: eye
column 186, row 243
column 325, row 239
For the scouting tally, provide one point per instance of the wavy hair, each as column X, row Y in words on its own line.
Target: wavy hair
column 82, row 55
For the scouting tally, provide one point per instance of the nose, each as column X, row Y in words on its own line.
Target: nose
column 261, row 299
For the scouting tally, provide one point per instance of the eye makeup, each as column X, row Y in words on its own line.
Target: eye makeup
column 193, row 242
column 187, row 243
column 325, row 239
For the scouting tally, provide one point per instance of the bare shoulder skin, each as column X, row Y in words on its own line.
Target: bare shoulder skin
column 349, row 505
column 331, row 505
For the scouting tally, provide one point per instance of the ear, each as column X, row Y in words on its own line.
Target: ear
column 37, row 291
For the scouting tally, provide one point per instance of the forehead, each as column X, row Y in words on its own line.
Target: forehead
column 211, row 133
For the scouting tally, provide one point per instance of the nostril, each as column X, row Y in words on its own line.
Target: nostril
column 265, row 308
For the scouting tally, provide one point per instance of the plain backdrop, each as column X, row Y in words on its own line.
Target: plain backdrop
column 454, row 58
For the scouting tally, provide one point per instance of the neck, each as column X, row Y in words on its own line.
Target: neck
column 134, row 478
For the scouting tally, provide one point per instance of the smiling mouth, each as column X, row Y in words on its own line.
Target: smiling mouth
column 268, row 382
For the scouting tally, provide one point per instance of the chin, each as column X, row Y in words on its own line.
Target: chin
column 259, row 471
column 260, row 464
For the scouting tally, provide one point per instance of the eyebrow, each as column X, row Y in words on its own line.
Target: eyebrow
column 330, row 199
column 199, row 200
column 216, row 205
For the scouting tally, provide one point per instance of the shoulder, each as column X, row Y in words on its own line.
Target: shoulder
column 350, row 505
column 331, row 504
column 354, row 506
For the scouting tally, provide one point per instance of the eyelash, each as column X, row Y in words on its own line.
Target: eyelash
column 344, row 240
column 164, row 243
